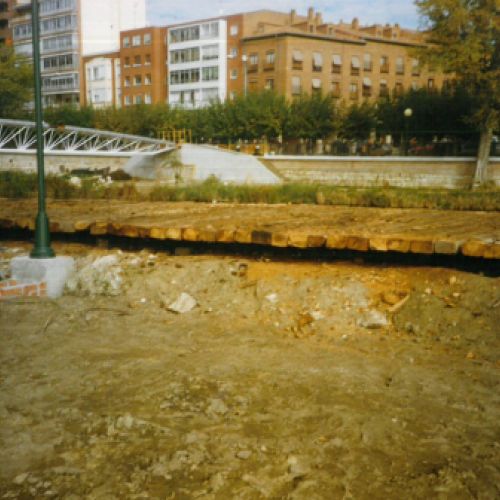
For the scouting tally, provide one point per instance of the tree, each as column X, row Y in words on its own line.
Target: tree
column 358, row 121
column 16, row 83
column 464, row 38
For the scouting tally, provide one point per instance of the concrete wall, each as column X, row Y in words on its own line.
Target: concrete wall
column 380, row 171
column 142, row 165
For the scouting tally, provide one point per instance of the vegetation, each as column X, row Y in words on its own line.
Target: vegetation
column 465, row 36
column 22, row 185
column 267, row 115
column 16, row 83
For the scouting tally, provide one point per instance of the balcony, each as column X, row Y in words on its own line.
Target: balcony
column 268, row 67
column 298, row 65
column 252, row 68
column 384, row 68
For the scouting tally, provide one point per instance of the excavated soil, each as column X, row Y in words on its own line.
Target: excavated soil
column 299, row 380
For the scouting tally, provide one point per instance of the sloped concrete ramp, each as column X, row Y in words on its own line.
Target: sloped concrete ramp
column 227, row 166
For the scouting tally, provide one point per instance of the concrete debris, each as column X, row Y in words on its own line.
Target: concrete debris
column 272, row 297
column 99, row 277
column 217, row 407
column 373, row 319
column 183, row 304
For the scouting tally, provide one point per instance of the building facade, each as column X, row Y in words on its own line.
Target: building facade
column 191, row 64
column 6, row 10
column 143, row 62
column 70, row 30
column 101, row 86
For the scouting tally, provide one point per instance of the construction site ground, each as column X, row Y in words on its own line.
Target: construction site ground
column 300, row 379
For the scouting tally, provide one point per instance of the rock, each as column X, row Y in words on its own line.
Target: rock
column 183, row 304
column 217, row 406
column 391, row 298
column 297, row 466
column 100, row 277
column 244, row 454
column 373, row 319
column 304, row 319
column 272, row 297
column 21, row 478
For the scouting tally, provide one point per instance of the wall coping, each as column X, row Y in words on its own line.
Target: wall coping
column 103, row 154
column 393, row 159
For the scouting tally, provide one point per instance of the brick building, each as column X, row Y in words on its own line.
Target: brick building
column 6, row 10
column 192, row 63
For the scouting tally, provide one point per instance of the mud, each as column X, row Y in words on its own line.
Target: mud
column 287, row 380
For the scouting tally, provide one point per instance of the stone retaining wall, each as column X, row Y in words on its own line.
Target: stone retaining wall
column 429, row 172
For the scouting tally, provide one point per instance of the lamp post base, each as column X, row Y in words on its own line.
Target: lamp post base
column 42, row 249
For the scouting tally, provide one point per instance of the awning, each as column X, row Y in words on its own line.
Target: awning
column 337, row 60
column 355, row 62
column 367, row 82
column 317, row 59
column 297, row 56
column 316, row 83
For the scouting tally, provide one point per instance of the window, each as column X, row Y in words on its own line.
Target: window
column 126, row 82
column 136, row 40
column 185, row 76
column 353, row 90
column 210, row 52
column 367, row 87
column 184, row 55
column 233, row 30
column 270, row 57
column 415, row 67
column 210, row 30
column 232, row 95
column 128, row 100
column 147, row 60
column 269, row 84
column 253, row 59
column 210, row 74
column 138, row 99
column 398, row 89
column 126, row 41
column 296, row 85
column 367, row 62
column 147, row 79
column 208, row 95
column 126, row 62
column 137, row 60
column 234, row 74
column 316, row 84
column 147, row 98
column 336, row 64
column 400, row 66
column 355, row 65
column 98, row 73
column 384, row 64
column 384, row 91
column 184, row 34
column 430, row 83
column 147, row 38
column 317, row 62
column 234, row 52
column 414, row 85
column 297, row 59
column 137, row 80
column 336, row 89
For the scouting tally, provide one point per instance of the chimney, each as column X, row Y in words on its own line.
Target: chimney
column 310, row 13
column 355, row 23
column 293, row 14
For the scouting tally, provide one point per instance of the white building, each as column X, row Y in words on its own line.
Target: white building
column 197, row 63
column 102, row 80
column 69, row 30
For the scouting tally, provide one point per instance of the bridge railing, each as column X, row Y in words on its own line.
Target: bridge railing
column 20, row 135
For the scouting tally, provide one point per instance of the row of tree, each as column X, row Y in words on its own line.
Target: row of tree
column 269, row 115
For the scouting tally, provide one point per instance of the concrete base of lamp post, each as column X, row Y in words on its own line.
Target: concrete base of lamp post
column 54, row 272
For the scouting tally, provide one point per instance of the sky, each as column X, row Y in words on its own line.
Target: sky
column 163, row 12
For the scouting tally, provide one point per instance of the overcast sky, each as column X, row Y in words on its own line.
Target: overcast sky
column 161, row 12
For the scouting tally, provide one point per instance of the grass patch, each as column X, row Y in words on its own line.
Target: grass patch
column 22, row 185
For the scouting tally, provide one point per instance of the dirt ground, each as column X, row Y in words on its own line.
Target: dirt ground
column 299, row 380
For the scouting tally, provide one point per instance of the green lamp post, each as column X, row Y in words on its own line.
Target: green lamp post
column 42, row 248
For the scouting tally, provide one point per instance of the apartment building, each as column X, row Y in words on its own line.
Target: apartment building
column 69, row 31
column 6, row 9
column 143, row 58
column 101, row 86
column 353, row 62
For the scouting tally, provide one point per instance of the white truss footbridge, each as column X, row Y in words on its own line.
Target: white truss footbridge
column 17, row 136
